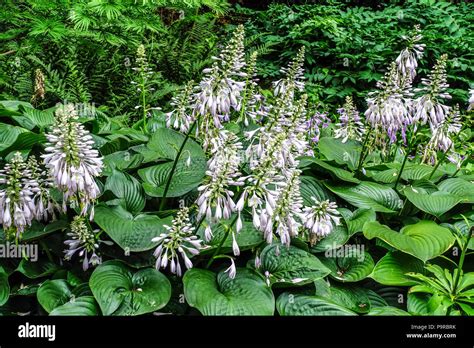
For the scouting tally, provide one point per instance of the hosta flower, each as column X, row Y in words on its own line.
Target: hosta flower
column 429, row 107
column 389, row 108
column 314, row 125
column 220, row 90
column 182, row 116
column 253, row 106
column 72, row 161
column 215, row 201
column 294, row 76
column 471, row 100
column 282, row 214
column 17, row 208
column 177, row 244
column 320, row 219
column 45, row 205
column 407, row 59
column 350, row 125
column 83, row 242
column 231, row 270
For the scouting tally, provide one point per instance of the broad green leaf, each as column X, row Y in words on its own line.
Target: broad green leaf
column 302, row 305
column 387, row 311
column 392, row 268
column 185, row 178
column 337, row 238
column 369, row 195
column 24, row 141
column 37, row 269
column 343, row 153
column 53, row 293
column 166, row 143
column 121, row 160
column 40, row 118
column 460, row 188
column 310, row 187
column 121, row 291
column 81, row 306
column 339, row 173
column 351, row 297
column 355, row 220
column 291, row 265
column 436, row 203
column 131, row 233
column 217, row 294
column 4, row 287
column 37, row 230
column 349, row 265
column 8, row 135
column 417, row 304
column 128, row 188
column 424, row 240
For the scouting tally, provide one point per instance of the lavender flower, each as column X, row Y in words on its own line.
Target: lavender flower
column 294, row 76
column 178, row 243
column 83, row 242
column 429, row 107
column 216, row 198
column 72, row 160
column 350, row 125
column 320, row 219
column 314, row 125
column 17, row 208
column 471, row 100
column 232, row 270
column 407, row 59
column 182, row 116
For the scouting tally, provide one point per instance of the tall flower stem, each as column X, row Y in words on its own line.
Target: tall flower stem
column 363, row 152
column 173, row 168
column 219, row 247
column 410, row 147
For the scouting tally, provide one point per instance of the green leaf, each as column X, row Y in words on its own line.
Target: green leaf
column 291, row 265
column 342, row 174
column 351, row 297
column 128, row 188
column 8, row 135
column 387, row 311
column 40, row 118
column 343, row 153
column 349, row 265
column 132, row 233
column 120, row 291
column 299, row 305
column 211, row 294
column 424, row 240
column 417, row 304
column 460, row 188
column 4, row 287
column 185, row 178
column 337, row 238
column 355, row 220
column 37, row 230
column 53, row 293
column 166, row 143
column 310, row 187
column 391, row 269
column 37, row 269
column 24, row 141
column 436, row 203
column 369, row 195
column 81, row 306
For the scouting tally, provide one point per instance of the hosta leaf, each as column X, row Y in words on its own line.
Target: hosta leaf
column 81, row 306
column 436, row 203
column 121, row 291
column 417, row 304
column 460, row 188
column 392, row 268
column 4, row 287
column 343, row 153
column 37, row 269
column 369, row 195
column 166, row 143
column 128, row 188
column 8, row 135
column 185, row 178
column 121, row 160
column 53, row 293
column 353, row 265
column 291, row 265
column 337, row 238
column 355, row 220
column 424, row 240
column 339, row 173
column 296, row 305
column 213, row 294
column 24, row 141
column 40, row 118
column 310, row 187
column 387, row 311
column 351, row 297
column 131, row 233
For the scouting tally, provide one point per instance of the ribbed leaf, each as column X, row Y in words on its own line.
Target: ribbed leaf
column 459, row 187
column 291, row 265
column 424, row 240
column 369, row 195
column 128, row 188
column 355, row 220
column 211, row 294
column 337, row 238
column 339, row 173
column 436, row 203
column 343, row 153
column 4, row 287
column 387, row 311
column 299, row 305
column 391, row 269
column 53, row 293
column 81, row 306
column 310, row 187
column 351, row 266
